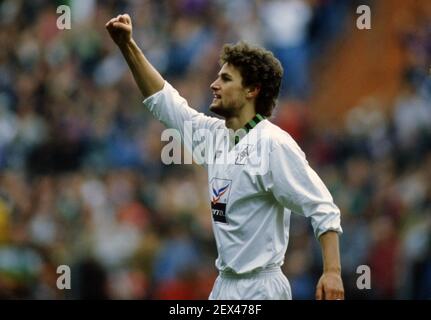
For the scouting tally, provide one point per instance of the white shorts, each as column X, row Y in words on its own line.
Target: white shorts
column 268, row 284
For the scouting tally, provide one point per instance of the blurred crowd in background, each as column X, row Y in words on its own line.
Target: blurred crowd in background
column 81, row 179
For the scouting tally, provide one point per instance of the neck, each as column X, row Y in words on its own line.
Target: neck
column 239, row 121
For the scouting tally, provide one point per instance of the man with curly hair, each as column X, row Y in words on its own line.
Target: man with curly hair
column 250, row 208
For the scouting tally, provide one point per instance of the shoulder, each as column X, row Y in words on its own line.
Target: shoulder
column 165, row 90
column 278, row 139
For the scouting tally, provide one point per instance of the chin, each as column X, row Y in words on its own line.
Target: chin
column 217, row 109
column 214, row 106
column 223, row 110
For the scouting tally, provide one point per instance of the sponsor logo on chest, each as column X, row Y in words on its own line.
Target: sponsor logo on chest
column 220, row 191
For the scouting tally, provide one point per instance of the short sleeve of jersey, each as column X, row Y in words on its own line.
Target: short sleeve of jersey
column 296, row 186
column 174, row 112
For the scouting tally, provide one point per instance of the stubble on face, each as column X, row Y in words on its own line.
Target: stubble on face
column 223, row 111
column 227, row 102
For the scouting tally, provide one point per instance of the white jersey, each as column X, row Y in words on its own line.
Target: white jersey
column 251, row 208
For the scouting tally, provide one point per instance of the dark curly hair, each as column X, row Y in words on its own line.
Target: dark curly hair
column 258, row 67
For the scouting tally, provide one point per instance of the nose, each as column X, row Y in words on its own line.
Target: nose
column 215, row 86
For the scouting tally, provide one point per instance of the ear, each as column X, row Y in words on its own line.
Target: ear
column 252, row 92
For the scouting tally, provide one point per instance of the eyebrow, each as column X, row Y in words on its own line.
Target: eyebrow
column 225, row 74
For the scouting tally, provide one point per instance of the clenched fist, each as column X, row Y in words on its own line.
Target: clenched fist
column 120, row 29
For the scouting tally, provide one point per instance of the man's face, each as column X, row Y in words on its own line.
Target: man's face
column 229, row 94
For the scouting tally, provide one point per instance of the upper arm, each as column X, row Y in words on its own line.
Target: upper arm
column 296, row 186
column 173, row 111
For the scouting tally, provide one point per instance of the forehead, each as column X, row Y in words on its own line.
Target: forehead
column 230, row 70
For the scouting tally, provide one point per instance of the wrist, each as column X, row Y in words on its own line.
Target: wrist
column 126, row 44
column 336, row 270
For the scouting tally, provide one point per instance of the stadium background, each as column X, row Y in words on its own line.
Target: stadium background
column 82, row 184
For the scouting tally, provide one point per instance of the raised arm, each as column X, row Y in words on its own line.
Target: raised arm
column 160, row 98
column 146, row 76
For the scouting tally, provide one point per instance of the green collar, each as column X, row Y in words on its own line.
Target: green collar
column 250, row 125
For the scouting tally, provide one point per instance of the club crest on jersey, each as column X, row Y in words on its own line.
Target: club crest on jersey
column 243, row 153
column 220, row 189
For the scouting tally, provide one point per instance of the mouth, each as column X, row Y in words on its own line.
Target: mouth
column 216, row 97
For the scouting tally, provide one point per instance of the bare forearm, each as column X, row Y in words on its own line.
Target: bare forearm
column 146, row 76
column 330, row 252
column 330, row 285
